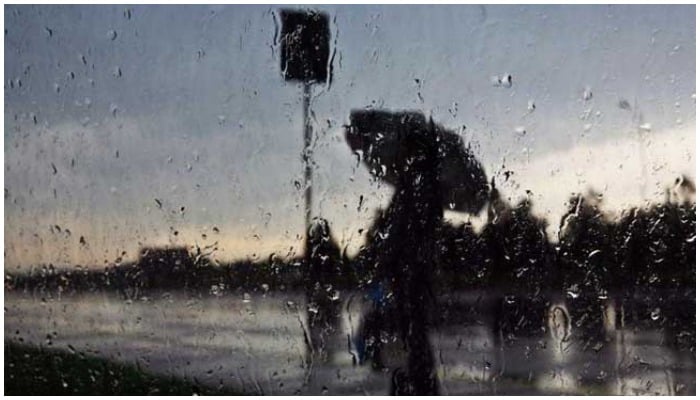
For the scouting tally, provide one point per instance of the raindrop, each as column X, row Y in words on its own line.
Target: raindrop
column 573, row 292
column 655, row 314
column 505, row 81
column 531, row 106
column 112, row 34
column 593, row 253
column 646, row 127
column 587, row 94
column 624, row 104
column 246, row 298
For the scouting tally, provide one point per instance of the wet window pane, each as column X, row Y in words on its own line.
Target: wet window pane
column 348, row 199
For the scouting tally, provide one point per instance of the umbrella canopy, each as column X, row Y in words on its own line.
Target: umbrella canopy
column 378, row 136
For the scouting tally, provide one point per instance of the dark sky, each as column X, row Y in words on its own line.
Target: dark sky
column 108, row 108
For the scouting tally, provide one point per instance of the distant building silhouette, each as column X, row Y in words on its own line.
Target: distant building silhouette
column 164, row 267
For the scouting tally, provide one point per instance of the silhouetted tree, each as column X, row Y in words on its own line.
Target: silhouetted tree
column 519, row 259
column 657, row 258
column 587, row 259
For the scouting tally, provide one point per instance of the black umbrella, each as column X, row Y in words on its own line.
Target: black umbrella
column 378, row 136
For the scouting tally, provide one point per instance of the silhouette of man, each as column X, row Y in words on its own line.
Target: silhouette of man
column 429, row 168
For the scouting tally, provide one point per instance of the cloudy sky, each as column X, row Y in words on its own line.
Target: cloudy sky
column 110, row 108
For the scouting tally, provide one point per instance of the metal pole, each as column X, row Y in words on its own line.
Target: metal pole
column 307, row 160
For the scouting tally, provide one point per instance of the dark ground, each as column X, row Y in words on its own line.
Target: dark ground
column 30, row 370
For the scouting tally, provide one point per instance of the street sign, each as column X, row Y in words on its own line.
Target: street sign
column 305, row 45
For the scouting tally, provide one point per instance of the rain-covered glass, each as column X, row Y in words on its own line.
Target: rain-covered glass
column 349, row 199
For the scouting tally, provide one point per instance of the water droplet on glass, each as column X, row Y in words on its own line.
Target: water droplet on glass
column 624, row 104
column 593, row 253
column 573, row 292
column 506, row 80
column 530, row 106
column 587, row 94
column 655, row 314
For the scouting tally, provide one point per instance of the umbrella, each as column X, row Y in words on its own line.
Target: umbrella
column 377, row 136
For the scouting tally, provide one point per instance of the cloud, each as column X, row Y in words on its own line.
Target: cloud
column 629, row 171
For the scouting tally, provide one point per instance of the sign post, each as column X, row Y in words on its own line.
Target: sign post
column 305, row 51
